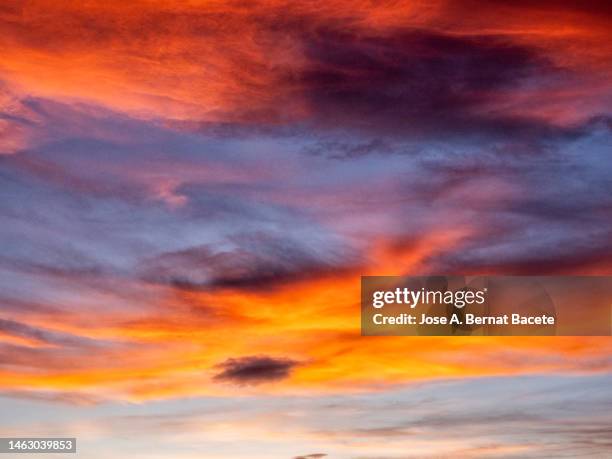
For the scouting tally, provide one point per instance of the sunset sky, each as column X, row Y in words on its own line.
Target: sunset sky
column 190, row 192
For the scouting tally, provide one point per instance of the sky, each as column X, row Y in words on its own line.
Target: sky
column 190, row 192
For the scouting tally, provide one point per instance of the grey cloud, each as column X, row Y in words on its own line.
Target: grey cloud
column 254, row 370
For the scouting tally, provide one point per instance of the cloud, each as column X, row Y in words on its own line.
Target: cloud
column 551, row 415
column 258, row 262
column 54, row 397
column 254, row 370
column 43, row 336
column 419, row 83
column 185, row 62
column 173, row 184
column 592, row 7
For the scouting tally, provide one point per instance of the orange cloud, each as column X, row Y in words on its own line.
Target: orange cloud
column 224, row 61
column 186, row 64
column 175, row 345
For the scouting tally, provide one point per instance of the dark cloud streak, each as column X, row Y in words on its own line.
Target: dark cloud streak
column 254, row 370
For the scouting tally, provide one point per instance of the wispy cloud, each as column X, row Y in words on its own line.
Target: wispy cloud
column 192, row 185
column 536, row 416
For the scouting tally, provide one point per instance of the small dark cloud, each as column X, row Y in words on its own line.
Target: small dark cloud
column 254, row 370
column 311, row 456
